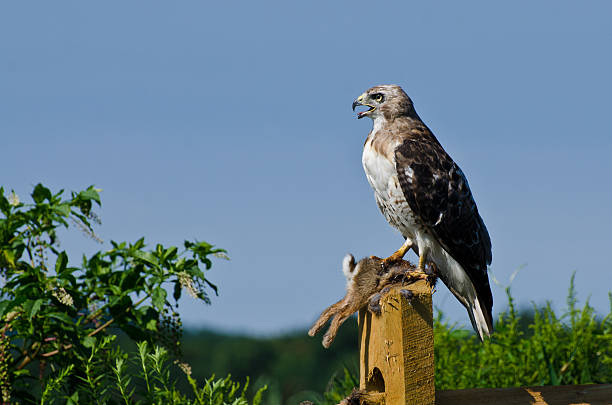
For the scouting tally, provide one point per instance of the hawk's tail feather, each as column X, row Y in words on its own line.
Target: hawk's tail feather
column 482, row 320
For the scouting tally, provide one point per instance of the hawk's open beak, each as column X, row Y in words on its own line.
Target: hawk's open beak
column 357, row 103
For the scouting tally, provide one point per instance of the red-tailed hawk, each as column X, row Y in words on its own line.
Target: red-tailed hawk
column 424, row 194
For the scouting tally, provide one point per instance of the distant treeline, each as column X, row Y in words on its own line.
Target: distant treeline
column 294, row 366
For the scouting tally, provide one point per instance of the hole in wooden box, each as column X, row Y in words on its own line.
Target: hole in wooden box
column 375, row 381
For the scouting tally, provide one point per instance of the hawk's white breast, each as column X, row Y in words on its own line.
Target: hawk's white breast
column 382, row 176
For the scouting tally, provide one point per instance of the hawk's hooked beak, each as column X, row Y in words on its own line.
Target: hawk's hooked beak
column 358, row 102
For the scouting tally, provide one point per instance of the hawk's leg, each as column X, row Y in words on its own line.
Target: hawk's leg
column 398, row 255
column 424, row 272
column 422, row 262
column 418, row 273
column 423, row 259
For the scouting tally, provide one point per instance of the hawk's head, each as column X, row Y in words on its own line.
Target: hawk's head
column 387, row 101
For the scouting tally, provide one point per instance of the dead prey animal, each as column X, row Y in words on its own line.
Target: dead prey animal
column 367, row 280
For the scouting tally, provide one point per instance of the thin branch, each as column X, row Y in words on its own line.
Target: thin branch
column 102, row 327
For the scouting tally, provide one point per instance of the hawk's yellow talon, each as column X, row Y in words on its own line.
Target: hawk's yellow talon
column 398, row 254
column 421, row 262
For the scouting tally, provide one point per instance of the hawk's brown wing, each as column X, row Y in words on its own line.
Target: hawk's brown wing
column 438, row 192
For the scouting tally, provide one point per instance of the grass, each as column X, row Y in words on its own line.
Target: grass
column 574, row 347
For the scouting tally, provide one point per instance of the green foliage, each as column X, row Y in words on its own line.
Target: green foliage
column 574, row 348
column 55, row 316
column 151, row 384
column 340, row 387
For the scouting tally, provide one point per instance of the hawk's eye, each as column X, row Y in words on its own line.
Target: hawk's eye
column 378, row 97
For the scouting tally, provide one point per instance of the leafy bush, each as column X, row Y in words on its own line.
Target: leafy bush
column 574, row 348
column 56, row 317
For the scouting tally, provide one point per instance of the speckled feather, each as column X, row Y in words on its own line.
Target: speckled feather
column 438, row 193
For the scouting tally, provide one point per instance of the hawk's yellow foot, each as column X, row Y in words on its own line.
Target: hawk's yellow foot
column 421, row 266
column 398, row 254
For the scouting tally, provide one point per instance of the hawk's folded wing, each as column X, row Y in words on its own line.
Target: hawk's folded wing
column 438, row 192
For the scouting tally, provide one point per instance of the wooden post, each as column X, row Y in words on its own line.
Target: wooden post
column 396, row 349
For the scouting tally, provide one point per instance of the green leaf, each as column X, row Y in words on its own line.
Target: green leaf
column 115, row 290
column 60, row 263
column 119, row 305
column 33, row 310
column 149, row 317
column 139, row 244
column 63, row 209
column 90, row 194
column 130, row 278
column 89, row 341
column 257, row 399
column 151, row 325
column 211, row 285
column 170, row 253
column 61, row 316
column 9, row 257
column 135, row 333
column 3, row 306
column 158, row 298
column 5, row 207
column 195, row 271
column 41, row 193
column 177, row 290
column 146, row 257
column 73, row 399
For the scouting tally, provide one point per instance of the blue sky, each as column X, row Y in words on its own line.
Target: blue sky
column 230, row 122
